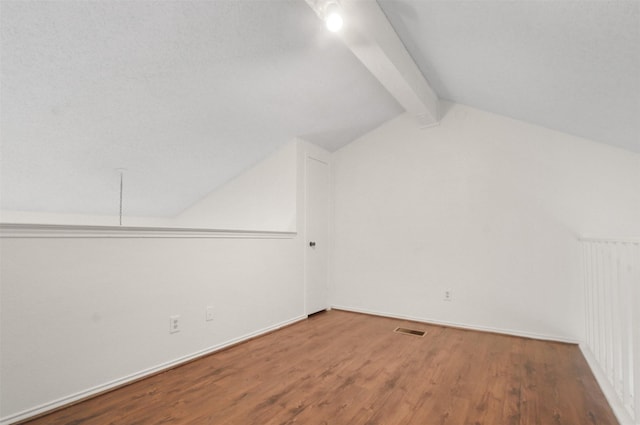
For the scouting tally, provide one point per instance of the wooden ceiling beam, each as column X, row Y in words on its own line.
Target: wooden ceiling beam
column 369, row 35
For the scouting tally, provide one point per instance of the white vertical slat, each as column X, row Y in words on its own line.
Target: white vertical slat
column 608, row 311
column 635, row 285
column 606, row 308
column 595, row 298
column 601, row 309
column 618, row 324
column 586, row 278
column 626, row 350
column 611, row 279
column 590, row 285
column 632, row 308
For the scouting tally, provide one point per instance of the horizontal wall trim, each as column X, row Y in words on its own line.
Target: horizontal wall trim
column 591, row 238
column 99, row 389
column 618, row 409
column 489, row 329
column 19, row 230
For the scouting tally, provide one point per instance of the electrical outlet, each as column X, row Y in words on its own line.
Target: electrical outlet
column 208, row 313
column 174, row 324
column 447, row 295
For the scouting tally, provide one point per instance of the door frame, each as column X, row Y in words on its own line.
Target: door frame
column 313, row 152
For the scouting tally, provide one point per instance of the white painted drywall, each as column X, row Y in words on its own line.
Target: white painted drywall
column 484, row 206
column 79, row 313
column 184, row 95
column 573, row 66
column 261, row 198
column 45, row 218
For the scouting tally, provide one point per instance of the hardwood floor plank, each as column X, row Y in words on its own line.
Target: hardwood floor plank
column 348, row 368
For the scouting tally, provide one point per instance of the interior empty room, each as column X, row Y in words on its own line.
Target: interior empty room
column 346, row 212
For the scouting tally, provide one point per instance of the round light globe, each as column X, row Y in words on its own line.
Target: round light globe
column 334, row 22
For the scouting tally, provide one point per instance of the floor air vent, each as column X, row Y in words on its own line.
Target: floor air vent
column 410, row 332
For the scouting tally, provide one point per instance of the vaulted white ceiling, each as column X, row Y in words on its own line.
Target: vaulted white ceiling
column 572, row 66
column 183, row 94
column 186, row 94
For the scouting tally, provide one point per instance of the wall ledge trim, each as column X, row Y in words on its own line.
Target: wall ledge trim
column 511, row 332
column 20, row 230
column 99, row 389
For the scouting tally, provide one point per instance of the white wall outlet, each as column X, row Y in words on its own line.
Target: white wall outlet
column 174, row 324
column 447, row 296
column 208, row 313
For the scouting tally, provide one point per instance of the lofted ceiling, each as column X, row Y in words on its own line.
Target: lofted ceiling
column 183, row 94
column 187, row 94
column 572, row 66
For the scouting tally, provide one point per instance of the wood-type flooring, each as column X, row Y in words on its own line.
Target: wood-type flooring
column 342, row 368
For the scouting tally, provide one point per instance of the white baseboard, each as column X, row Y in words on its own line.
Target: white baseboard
column 609, row 392
column 618, row 409
column 61, row 402
column 431, row 321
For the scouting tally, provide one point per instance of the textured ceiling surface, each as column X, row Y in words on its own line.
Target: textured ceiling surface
column 572, row 66
column 187, row 94
column 184, row 95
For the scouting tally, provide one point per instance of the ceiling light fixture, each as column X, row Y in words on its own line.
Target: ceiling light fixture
column 332, row 17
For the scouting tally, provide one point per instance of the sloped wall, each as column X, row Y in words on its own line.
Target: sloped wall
column 261, row 198
column 483, row 206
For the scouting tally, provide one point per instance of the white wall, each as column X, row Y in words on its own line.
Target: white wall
column 57, row 219
column 79, row 314
column 261, row 198
column 482, row 205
